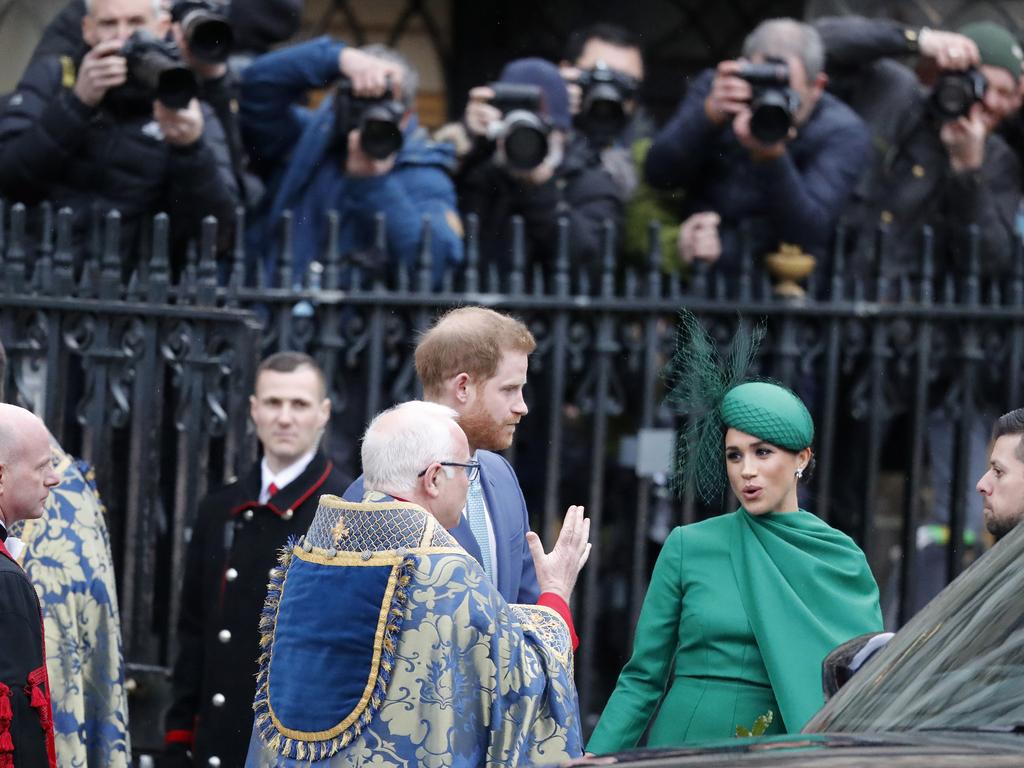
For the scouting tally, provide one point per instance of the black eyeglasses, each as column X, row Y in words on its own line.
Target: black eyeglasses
column 472, row 468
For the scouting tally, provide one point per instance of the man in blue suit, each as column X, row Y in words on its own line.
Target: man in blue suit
column 474, row 360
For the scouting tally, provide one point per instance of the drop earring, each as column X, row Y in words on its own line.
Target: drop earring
column 799, row 473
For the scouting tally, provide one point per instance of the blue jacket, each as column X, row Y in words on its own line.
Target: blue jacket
column 517, row 579
column 291, row 144
column 796, row 198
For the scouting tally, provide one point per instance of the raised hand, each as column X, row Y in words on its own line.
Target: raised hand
column 557, row 570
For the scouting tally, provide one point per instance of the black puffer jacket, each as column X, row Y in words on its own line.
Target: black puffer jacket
column 53, row 147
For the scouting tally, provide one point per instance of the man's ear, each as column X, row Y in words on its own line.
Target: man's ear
column 821, row 81
column 462, row 387
column 429, row 482
column 325, row 412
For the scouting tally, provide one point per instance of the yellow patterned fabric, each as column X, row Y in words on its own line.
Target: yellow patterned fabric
column 470, row 680
column 68, row 559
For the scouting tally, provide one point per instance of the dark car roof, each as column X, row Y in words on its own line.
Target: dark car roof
column 916, row 749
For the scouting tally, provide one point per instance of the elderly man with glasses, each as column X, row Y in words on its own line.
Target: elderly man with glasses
column 385, row 643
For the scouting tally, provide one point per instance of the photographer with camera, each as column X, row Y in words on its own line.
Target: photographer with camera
column 937, row 159
column 207, row 34
column 361, row 152
column 603, row 68
column 522, row 161
column 759, row 141
column 119, row 129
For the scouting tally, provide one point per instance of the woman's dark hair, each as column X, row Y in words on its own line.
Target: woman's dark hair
column 1011, row 423
column 808, row 470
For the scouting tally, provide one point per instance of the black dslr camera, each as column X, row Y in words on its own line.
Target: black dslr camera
column 378, row 120
column 522, row 130
column 605, row 92
column 955, row 92
column 205, row 28
column 156, row 71
column 774, row 104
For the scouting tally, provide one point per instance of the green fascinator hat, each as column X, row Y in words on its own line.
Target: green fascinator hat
column 713, row 392
column 770, row 412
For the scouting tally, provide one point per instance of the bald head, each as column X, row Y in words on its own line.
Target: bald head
column 26, row 468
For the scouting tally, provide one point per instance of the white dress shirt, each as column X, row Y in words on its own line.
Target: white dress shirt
column 282, row 478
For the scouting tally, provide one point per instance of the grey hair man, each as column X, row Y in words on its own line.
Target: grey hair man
column 759, row 143
column 417, row 451
column 378, row 597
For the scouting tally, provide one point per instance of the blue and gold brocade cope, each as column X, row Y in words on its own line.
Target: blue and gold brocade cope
column 384, row 644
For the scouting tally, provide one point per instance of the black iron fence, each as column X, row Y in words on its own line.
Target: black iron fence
column 148, row 377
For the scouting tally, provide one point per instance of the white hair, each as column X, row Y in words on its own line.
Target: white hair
column 788, row 37
column 158, row 6
column 403, row 441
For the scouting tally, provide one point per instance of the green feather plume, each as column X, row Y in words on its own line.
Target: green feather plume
column 698, row 379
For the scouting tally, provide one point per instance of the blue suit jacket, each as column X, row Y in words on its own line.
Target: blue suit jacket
column 517, row 580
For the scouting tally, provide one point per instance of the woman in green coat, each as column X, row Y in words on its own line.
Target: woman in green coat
column 742, row 608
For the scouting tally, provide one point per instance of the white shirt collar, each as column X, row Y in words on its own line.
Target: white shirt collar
column 283, row 478
column 13, row 544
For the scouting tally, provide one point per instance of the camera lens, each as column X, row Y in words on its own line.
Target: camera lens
column 602, row 110
column 380, row 138
column 956, row 92
column 209, row 36
column 526, row 144
column 176, row 87
column 770, row 120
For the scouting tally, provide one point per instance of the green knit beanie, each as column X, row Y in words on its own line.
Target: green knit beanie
column 997, row 46
column 770, row 412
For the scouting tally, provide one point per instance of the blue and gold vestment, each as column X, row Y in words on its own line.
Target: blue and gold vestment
column 384, row 644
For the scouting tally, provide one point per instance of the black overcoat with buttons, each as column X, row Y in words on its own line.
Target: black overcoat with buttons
column 235, row 542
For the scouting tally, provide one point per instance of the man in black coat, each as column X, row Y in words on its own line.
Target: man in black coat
column 235, row 541
column 26, row 477
column 81, row 133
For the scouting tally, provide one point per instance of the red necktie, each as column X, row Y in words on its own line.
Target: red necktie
column 271, row 489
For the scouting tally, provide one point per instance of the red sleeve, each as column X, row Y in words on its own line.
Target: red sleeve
column 559, row 606
column 179, row 736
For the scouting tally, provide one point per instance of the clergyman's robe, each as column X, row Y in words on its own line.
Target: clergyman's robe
column 385, row 644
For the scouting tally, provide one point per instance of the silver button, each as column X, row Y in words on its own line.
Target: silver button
column 247, row 515
column 218, row 699
column 270, row 573
column 230, row 574
column 366, row 554
column 214, row 761
column 224, row 636
column 287, row 514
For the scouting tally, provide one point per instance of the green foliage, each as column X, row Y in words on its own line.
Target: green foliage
column 760, row 727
